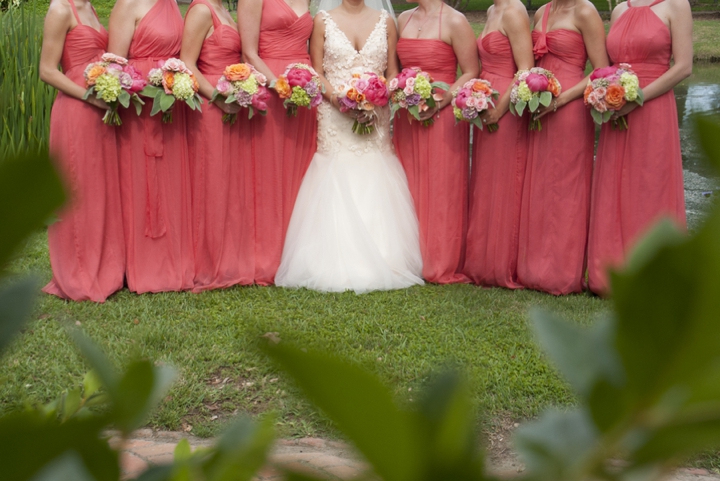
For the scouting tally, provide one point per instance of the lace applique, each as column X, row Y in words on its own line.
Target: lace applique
column 339, row 61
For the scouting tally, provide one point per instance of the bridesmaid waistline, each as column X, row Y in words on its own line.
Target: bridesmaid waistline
column 649, row 70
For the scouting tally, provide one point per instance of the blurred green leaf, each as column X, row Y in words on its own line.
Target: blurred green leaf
column 708, row 133
column 241, row 450
column 30, row 191
column 361, row 407
column 100, row 364
column 182, row 450
column 67, row 467
column 676, row 440
column 91, row 384
column 138, row 392
column 16, row 302
column 71, row 403
column 664, row 234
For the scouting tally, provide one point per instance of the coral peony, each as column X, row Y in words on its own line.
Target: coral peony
column 283, row 88
column 298, row 77
column 92, row 72
column 138, row 81
column 238, row 71
column 537, row 82
column 615, row 97
column 603, row 72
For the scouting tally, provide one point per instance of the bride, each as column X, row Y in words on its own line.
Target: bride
column 354, row 225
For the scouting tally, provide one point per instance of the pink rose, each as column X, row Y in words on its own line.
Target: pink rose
column 393, row 84
column 361, row 84
column 603, row 72
column 224, row 87
column 138, row 81
column 298, row 77
column 259, row 100
column 377, row 92
column 174, row 65
column 537, row 83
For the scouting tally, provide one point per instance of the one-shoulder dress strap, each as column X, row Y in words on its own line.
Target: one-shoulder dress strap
column 546, row 15
column 408, row 21
column 216, row 21
column 77, row 17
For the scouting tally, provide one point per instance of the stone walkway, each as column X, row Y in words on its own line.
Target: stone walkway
column 330, row 460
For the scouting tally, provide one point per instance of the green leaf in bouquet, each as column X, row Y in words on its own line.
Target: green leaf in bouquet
column 640, row 97
column 520, row 107
column 191, row 102
column 166, row 102
column 597, row 116
column 440, row 85
column 534, row 103
column 414, row 110
column 151, row 91
column 214, row 95
column 89, row 92
column 607, row 115
column 230, row 99
column 138, row 103
column 17, row 298
column 477, row 122
column 251, row 112
column 198, row 102
column 511, row 107
column 124, row 98
column 241, row 450
column 394, row 107
column 430, row 102
column 156, row 108
column 545, row 99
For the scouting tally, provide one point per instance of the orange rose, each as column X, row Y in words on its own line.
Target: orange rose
column 554, row 87
column 360, row 98
column 352, row 94
column 615, row 97
column 93, row 73
column 481, row 87
column 588, row 91
column 282, row 87
column 239, row 71
column 168, row 80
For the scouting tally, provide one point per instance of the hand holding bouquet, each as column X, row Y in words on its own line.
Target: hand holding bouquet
column 608, row 90
column 242, row 84
column 116, row 83
column 473, row 98
column 299, row 86
column 415, row 91
column 362, row 93
column 171, row 81
column 533, row 88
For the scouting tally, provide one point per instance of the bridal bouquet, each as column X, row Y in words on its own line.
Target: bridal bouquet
column 473, row 98
column 242, row 84
column 363, row 92
column 170, row 82
column 533, row 88
column 299, row 86
column 116, row 83
column 415, row 91
column 608, row 90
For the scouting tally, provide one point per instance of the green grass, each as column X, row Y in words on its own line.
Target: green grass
column 211, row 338
column 706, row 39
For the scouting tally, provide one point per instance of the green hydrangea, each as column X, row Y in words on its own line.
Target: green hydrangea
column 524, row 92
column 300, row 97
column 183, row 86
column 631, row 85
column 458, row 113
column 249, row 85
column 423, row 87
column 108, row 87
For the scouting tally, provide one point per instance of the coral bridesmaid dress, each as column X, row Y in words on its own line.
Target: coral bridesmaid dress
column 223, row 212
column 638, row 175
column 87, row 249
column 282, row 146
column 436, row 161
column 556, row 192
column 498, row 171
column 154, row 170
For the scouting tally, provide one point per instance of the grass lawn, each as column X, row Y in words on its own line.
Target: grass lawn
column 211, row 338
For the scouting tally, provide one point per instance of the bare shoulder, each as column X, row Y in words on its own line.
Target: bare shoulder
column 539, row 14
column 454, row 18
column 199, row 12
column 516, row 14
column 59, row 11
column 585, row 11
column 679, row 6
column 618, row 10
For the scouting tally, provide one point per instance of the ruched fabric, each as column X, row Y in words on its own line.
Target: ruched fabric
column 638, row 175
column 496, row 182
column 154, row 169
column 86, row 244
column 436, row 160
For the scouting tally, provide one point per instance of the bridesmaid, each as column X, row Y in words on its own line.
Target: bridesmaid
column 638, row 172
column 87, row 250
column 556, row 193
column 223, row 214
column 154, row 169
column 437, row 38
column 275, row 33
column 499, row 158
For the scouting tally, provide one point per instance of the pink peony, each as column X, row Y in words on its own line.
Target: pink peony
column 138, row 81
column 404, row 76
column 259, row 100
column 298, row 77
column 377, row 92
column 537, row 82
column 603, row 72
column 461, row 100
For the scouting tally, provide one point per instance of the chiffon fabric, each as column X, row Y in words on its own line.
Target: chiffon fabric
column 154, row 170
column 556, row 193
column 638, row 172
column 87, row 249
column 222, row 180
column 496, row 183
column 436, row 161
column 282, row 146
column 353, row 226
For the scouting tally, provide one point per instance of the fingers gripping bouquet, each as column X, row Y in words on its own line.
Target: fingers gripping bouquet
column 170, row 82
column 299, row 86
column 242, row 84
column 415, row 91
column 116, row 83
column 362, row 93
column 608, row 90
column 533, row 88
column 473, row 98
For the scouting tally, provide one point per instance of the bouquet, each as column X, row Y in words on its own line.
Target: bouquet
column 473, row 98
column 608, row 90
column 415, row 91
column 532, row 88
column 171, row 81
column 115, row 82
column 299, row 86
column 242, row 84
column 363, row 92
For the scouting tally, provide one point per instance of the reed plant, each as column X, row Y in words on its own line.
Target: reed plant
column 25, row 101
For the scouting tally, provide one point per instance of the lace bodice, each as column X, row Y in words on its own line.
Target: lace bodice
column 340, row 60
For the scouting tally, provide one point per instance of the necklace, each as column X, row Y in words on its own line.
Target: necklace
column 428, row 16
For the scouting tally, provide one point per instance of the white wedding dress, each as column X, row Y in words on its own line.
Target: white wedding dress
column 354, row 225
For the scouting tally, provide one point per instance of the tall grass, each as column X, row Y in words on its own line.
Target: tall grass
column 25, row 101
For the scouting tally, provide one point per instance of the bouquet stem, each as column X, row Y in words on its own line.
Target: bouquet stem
column 291, row 110
column 493, row 127
column 535, row 124
column 620, row 124
column 229, row 118
column 112, row 117
column 427, row 122
column 167, row 117
column 363, row 129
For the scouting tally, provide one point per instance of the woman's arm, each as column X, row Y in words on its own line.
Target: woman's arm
column 58, row 22
column 317, row 53
column 121, row 26
column 393, row 65
column 249, row 26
